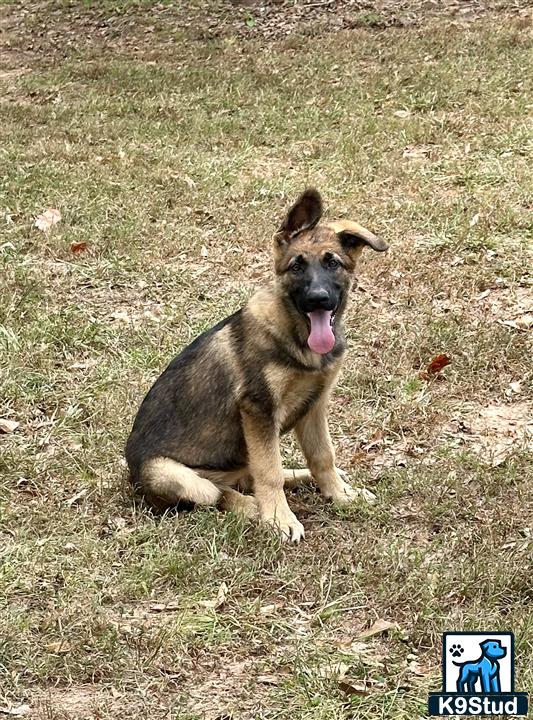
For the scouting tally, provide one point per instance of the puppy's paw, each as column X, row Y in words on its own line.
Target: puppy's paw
column 286, row 522
column 249, row 508
column 333, row 486
column 342, row 492
column 236, row 502
column 293, row 531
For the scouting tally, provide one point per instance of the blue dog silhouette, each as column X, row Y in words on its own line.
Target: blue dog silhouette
column 486, row 669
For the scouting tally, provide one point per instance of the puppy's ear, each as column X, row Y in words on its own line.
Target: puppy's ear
column 303, row 215
column 353, row 236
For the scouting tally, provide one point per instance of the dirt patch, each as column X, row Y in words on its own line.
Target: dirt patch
column 77, row 703
column 52, row 29
column 511, row 308
column 229, row 686
column 496, row 431
column 12, row 61
column 278, row 19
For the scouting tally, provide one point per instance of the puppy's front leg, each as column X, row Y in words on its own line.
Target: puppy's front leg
column 264, row 462
column 313, row 435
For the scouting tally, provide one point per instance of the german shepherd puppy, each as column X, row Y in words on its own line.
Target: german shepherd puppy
column 212, row 421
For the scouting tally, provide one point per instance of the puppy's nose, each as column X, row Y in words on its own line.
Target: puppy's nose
column 318, row 297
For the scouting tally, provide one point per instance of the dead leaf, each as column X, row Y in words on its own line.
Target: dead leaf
column 416, row 151
column 8, row 426
column 164, row 607
column 221, row 595
column 415, row 668
column 116, row 523
column 401, row 113
column 158, row 607
column 352, row 689
column 120, row 315
column 435, row 366
column 78, row 247
column 523, row 323
column 498, row 453
column 474, row 220
column 270, row 609
column 334, row 670
column 74, row 500
column 380, row 626
column 16, row 711
column 60, row 647
column 268, row 679
column 375, row 439
column 354, row 647
column 358, row 457
column 219, row 600
column 83, row 365
column 47, row 219
column 200, row 271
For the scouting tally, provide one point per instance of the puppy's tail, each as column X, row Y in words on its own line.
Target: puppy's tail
column 166, row 482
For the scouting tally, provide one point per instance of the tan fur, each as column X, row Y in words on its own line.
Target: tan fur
column 266, row 308
column 227, row 478
column 290, row 389
column 236, row 502
column 223, row 348
column 311, row 242
column 242, row 478
column 313, row 435
column 169, row 481
column 293, row 478
column 267, row 472
column 340, row 226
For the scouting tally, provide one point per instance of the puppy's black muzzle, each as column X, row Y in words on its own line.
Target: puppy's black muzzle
column 318, row 299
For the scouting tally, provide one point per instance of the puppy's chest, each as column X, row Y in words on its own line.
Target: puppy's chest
column 294, row 395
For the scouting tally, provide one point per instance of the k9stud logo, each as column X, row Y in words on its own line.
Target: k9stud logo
column 478, row 676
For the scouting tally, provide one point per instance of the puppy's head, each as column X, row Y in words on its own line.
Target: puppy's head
column 315, row 264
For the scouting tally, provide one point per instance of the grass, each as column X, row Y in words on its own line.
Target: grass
column 173, row 158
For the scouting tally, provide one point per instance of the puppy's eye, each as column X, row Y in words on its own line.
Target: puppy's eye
column 332, row 264
column 296, row 268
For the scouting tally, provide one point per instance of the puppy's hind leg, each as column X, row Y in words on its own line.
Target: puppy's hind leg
column 231, row 499
column 236, row 502
column 166, row 482
column 295, row 478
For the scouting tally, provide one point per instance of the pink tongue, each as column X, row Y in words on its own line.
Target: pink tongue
column 321, row 338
